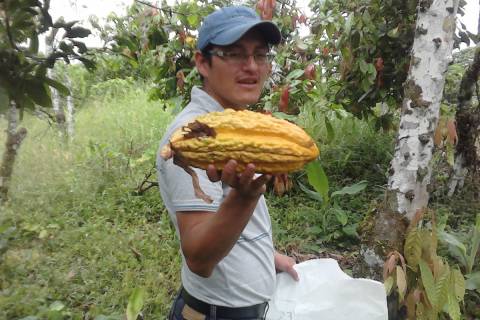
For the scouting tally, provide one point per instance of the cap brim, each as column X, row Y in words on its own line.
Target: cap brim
column 268, row 29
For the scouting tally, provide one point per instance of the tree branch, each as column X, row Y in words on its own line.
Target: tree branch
column 158, row 8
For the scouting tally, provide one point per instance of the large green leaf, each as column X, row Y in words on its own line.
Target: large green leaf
column 57, row 85
column 318, row 179
column 311, row 194
column 428, row 282
column 473, row 281
column 135, row 303
column 38, row 92
column 77, row 32
column 457, row 248
column 353, row 189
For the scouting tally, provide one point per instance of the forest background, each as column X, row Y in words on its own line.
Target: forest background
column 83, row 231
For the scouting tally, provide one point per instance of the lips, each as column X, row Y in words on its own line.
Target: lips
column 248, row 81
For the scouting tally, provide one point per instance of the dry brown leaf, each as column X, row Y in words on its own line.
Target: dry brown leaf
column 452, row 136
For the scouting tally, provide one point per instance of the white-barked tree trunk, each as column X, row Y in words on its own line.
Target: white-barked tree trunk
column 70, row 109
column 410, row 169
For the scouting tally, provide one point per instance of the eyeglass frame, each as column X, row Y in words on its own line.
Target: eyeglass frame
column 244, row 58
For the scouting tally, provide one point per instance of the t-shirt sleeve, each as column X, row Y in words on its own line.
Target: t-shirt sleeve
column 180, row 188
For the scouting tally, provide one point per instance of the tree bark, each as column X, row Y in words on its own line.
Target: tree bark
column 70, row 110
column 468, row 120
column 14, row 139
column 56, row 99
column 410, row 169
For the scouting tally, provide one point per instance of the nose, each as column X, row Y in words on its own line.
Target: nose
column 250, row 62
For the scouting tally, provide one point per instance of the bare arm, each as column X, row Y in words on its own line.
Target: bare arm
column 207, row 238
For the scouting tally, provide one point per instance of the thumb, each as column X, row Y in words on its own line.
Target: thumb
column 293, row 273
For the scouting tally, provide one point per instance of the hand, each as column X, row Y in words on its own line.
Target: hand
column 244, row 183
column 285, row 263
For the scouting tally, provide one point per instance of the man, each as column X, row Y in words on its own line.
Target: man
column 228, row 258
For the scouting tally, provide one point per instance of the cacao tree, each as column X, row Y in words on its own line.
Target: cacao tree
column 24, row 81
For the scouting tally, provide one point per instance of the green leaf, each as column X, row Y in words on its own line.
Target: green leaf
column 318, row 179
column 353, row 189
column 473, row 281
column 351, row 230
column 135, row 303
column 413, row 248
column 82, row 48
column 311, row 194
column 393, row 33
column 474, row 245
column 193, row 20
column 33, row 47
column 348, row 24
column 459, row 284
column 442, row 287
column 284, row 116
column 428, row 282
column 57, row 85
column 388, row 285
column 330, row 132
column 454, row 242
column 363, row 65
column 65, row 47
column 56, row 306
column 295, row 74
column 38, row 92
column 453, row 307
column 77, row 32
column 89, row 64
column 450, row 154
column 340, row 214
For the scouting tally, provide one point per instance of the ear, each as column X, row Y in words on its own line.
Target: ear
column 202, row 64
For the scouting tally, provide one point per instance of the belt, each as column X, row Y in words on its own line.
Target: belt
column 255, row 311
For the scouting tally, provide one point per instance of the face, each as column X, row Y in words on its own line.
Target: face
column 235, row 85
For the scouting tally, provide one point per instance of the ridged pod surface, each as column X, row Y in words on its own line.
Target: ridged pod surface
column 273, row 145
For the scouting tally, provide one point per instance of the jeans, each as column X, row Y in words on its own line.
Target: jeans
column 179, row 304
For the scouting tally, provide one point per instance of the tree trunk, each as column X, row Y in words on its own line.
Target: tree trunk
column 56, row 100
column 410, row 169
column 70, row 110
column 468, row 120
column 14, row 139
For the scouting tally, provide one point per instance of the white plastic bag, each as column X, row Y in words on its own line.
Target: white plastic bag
column 325, row 292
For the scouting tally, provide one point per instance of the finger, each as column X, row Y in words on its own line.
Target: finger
column 247, row 176
column 213, row 174
column 229, row 173
column 260, row 181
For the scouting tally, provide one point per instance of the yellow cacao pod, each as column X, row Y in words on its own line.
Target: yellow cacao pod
column 273, row 145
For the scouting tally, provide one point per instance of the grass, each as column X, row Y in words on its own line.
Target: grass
column 82, row 240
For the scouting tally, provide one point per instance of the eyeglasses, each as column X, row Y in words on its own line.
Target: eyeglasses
column 239, row 58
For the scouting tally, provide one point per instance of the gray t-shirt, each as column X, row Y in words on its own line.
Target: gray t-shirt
column 246, row 276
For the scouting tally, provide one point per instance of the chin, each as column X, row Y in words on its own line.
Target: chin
column 249, row 99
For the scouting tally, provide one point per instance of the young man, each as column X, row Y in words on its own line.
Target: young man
column 228, row 258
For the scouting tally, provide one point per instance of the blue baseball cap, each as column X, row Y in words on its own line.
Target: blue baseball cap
column 227, row 25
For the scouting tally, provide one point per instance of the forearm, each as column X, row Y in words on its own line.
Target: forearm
column 209, row 241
